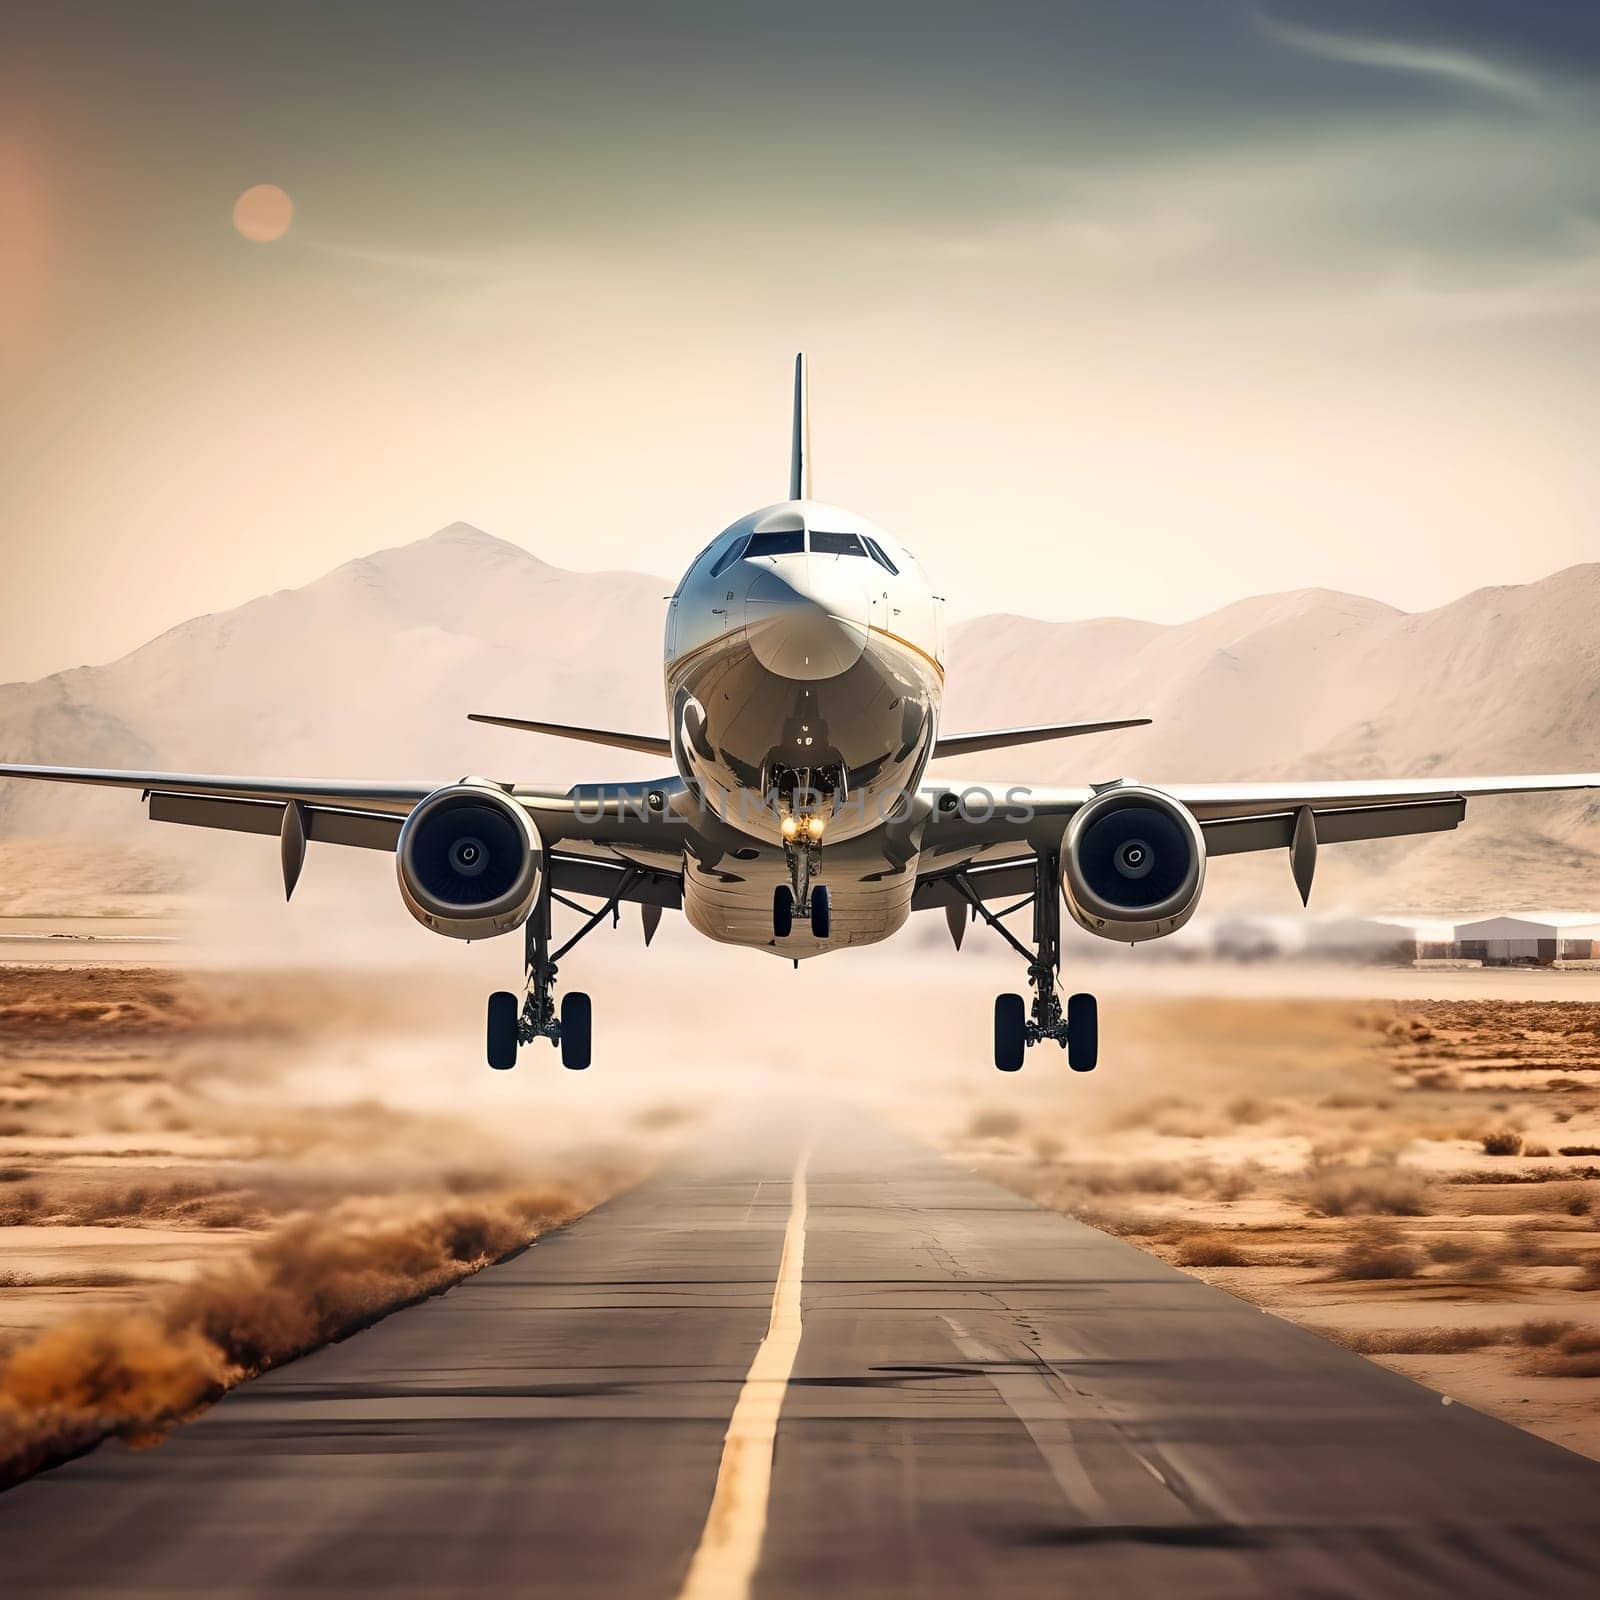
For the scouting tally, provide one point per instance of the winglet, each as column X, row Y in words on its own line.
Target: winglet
column 800, row 439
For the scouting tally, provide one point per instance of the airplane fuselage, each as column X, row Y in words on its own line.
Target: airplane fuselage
column 804, row 673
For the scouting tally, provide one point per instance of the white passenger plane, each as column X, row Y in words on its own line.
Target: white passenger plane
column 804, row 672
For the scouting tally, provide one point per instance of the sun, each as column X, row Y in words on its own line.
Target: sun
column 263, row 213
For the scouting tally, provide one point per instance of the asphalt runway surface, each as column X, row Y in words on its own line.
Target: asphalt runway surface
column 970, row 1396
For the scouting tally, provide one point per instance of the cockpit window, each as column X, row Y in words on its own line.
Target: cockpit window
column 728, row 557
column 835, row 544
column 878, row 555
column 789, row 542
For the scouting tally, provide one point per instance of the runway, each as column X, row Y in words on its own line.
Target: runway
column 984, row 1398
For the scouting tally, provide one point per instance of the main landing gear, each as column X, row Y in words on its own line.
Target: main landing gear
column 513, row 1022
column 1017, row 1024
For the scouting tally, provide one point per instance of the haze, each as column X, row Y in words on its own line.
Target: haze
column 1123, row 309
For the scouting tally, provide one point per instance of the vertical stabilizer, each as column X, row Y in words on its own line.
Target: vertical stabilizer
column 800, row 447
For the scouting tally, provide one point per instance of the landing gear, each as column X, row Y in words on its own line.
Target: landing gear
column 819, row 911
column 1010, row 1032
column 513, row 1023
column 1017, row 1023
column 504, row 1009
column 576, row 1014
column 1083, row 1033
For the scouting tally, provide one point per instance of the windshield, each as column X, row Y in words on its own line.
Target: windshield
column 790, row 542
column 835, row 544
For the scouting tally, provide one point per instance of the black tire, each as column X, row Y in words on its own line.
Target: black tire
column 576, row 1019
column 821, row 912
column 1010, row 1031
column 1083, row 1033
column 504, row 1012
column 782, row 912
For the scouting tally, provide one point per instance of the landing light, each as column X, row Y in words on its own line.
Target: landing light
column 789, row 827
column 814, row 827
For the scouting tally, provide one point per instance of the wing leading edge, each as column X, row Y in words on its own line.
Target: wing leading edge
column 967, row 744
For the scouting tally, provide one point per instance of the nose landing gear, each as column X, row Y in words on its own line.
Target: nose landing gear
column 1018, row 1023
column 819, row 911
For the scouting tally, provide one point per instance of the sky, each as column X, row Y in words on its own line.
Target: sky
column 1130, row 309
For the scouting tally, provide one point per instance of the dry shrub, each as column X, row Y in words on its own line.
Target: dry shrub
column 1580, row 1149
column 1210, row 1252
column 20, row 1208
column 994, row 1123
column 1409, row 1030
column 1127, row 1224
column 1573, row 1354
column 1421, row 1341
column 1376, row 1254
column 1371, row 1191
column 317, row 1279
column 1589, row 1277
column 1501, row 1142
column 1537, row 1333
column 1536, row 1151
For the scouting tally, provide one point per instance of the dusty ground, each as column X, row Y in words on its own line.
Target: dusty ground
column 1419, row 1180
column 193, row 1155
column 194, row 1187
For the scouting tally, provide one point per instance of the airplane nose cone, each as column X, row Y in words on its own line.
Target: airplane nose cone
column 807, row 618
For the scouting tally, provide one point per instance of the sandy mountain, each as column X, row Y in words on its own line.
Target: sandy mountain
column 370, row 671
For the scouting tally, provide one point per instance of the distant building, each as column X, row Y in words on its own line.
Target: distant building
column 1378, row 938
column 1530, row 938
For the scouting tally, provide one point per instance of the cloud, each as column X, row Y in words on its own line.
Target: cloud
column 1569, row 288
column 1449, row 62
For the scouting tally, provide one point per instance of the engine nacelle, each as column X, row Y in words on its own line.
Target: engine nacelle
column 1133, row 862
column 469, row 861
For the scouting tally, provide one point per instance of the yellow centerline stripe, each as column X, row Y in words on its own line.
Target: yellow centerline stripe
column 729, row 1551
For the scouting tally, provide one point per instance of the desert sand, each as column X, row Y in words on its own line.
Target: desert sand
column 209, row 1164
column 1416, row 1179
column 198, row 1180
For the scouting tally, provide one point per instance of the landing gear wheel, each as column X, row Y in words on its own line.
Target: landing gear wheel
column 1083, row 1033
column 504, row 1011
column 821, row 912
column 1010, row 1031
column 576, row 1017
column 782, row 912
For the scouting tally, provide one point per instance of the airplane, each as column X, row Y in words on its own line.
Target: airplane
column 804, row 674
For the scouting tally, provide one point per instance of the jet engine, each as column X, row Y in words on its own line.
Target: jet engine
column 469, row 861
column 1133, row 862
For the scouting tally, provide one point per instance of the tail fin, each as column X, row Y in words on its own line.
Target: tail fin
column 800, row 446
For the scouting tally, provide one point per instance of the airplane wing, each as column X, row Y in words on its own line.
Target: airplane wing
column 645, row 743
column 991, row 833
column 603, row 837
column 967, row 744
